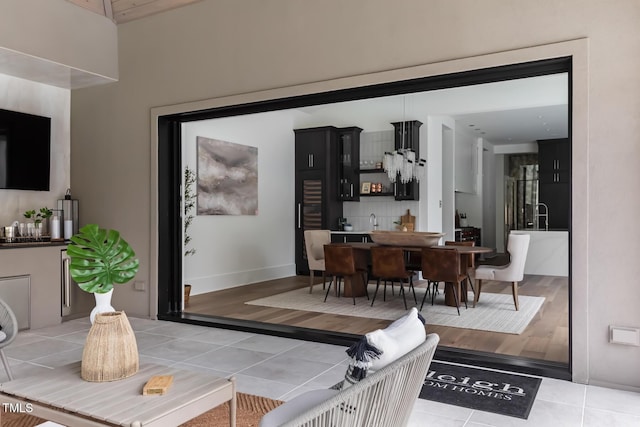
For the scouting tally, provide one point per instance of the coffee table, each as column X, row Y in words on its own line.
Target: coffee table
column 64, row 397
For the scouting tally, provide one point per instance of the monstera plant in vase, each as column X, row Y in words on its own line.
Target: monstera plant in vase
column 101, row 259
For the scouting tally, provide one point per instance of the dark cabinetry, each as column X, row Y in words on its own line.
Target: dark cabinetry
column 466, row 234
column 348, row 163
column 317, row 201
column 554, row 174
column 554, row 160
column 350, row 237
column 313, row 148
column 407, row 136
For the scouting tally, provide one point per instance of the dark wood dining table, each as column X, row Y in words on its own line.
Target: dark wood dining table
column 354, row 286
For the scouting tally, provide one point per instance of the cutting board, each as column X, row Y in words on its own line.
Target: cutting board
column 408, row 221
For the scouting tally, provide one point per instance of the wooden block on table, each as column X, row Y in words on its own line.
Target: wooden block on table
column 158, row 384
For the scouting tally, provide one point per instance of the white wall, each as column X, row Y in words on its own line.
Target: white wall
column 440, row 204
column 490, row 205
column 468, row 172
column 233, row 250
column 43, row 100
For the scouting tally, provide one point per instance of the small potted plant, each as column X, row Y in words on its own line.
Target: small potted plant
column 189, row 205
column 101, row 259
column 38, row 217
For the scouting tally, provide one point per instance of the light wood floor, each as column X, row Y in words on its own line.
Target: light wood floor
column 546, row 338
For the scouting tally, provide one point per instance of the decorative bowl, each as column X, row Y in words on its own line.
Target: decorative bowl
column 406, row 238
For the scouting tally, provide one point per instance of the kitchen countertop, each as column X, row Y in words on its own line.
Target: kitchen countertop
column 21, row 245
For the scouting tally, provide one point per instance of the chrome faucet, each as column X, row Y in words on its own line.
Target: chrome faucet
column 373, row 221
column 540, row 214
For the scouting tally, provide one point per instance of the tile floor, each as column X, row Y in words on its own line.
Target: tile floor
column 281, row 368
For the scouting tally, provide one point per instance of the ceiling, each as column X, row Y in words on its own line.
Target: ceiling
column 121, row 11
column 505, row 112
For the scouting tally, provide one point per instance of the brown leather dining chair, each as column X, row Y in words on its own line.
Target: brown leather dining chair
column 387, row 263
column 443, row 265
column 340, row 262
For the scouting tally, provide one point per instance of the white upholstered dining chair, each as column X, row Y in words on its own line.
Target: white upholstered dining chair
column 513, row 272
column 314, row 241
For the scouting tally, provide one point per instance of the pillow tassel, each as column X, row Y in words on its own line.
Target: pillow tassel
column 363, row 351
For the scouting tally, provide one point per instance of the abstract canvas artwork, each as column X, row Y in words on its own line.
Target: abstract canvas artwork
column 227, row 178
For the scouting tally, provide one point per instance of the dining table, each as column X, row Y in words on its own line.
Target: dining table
column 354, row 286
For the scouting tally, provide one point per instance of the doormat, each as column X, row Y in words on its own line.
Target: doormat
column 485, row 390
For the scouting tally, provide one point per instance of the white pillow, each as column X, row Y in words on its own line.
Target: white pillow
column 397, row 339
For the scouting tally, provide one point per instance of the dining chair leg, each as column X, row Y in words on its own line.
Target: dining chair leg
column 472, row 288
column 324, row 279
column 365, row 279
column 476, row 294
column 376, row 292
column 404, row 297
column 310, row 281
column 434, row 291
column 514, row 290
column 329, row 288
column 413, row 289
column 466, row 294
column 425, row 294
column 455, row 295
column 384, row 294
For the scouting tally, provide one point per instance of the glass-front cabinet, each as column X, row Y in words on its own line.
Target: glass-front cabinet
column 348, row 163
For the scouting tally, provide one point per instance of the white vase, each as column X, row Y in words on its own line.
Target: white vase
column 103, row 304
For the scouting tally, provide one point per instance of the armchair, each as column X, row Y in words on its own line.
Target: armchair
column 382, row 399
column 513, row 272
column 314, row 241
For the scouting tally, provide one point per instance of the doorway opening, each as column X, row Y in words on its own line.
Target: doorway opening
column 170, row 164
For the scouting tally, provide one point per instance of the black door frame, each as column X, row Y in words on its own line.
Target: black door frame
column 170, row 220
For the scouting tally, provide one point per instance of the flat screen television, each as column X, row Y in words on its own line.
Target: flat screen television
column 25, row 151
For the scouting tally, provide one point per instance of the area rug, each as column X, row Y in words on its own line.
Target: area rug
column 250, row 409
column 494, row 312
column 500, row 392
